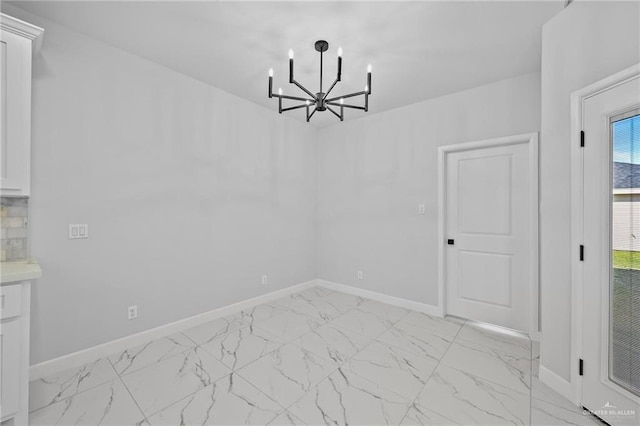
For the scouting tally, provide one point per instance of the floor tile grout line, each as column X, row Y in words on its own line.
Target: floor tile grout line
column 191, row 393
column 184, row 397
column 285, row 342
column 431, row 375
column 297, row 399
column 165, row 407
column 135, row 401
column 262, row 393
column 180, row 352
column 482, row 378
column 80, row 392
column 233, row 369
column 287, row 409
column 190, row 339
column 373, row 339
column 411, row 351
column 74, row 395
column 312, row 388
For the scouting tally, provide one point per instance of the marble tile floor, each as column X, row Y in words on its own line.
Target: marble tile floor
column 317, row 357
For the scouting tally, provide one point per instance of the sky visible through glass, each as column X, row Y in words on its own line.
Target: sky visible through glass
column 626, row 140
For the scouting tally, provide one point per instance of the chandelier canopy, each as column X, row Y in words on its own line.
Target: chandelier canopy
column 320, row 101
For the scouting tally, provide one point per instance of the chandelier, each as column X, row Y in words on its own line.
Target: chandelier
column 321, row 101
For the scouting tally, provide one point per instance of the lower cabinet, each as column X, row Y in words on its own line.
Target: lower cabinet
column 14, row 353
column 10, row 352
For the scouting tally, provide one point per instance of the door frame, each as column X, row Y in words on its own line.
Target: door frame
column 534, row 286
column 578, row 98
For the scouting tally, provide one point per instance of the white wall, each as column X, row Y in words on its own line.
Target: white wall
column 191, row 195
column 373, row 172
column 584, row 43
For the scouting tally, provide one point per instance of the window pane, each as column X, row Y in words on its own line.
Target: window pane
column 624, row 341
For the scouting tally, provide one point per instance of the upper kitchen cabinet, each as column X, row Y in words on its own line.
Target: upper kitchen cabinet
column 18, row 41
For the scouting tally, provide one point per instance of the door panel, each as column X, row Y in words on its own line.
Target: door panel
column 611, row 266
column 482, row 179
column 487, row 214
column 490, row 268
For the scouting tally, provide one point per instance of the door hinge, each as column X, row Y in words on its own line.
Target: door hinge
column 581, row 253
column 582, row 138
column 581, row 367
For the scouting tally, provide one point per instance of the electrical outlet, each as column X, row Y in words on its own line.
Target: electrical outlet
column 264, row 280
column 132, row 312
column 78, row 231
column 421, row 209
column 360, row 275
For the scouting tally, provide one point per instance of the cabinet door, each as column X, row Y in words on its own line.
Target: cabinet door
column 9, row 367
column 15, row 114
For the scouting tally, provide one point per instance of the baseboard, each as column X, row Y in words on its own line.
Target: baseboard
column 384, row 298
column 79, row 358
column 557, row 383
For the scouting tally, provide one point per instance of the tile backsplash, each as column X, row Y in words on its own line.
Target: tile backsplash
column 13, row 225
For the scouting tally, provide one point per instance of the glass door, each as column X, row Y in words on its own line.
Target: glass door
column 611, row 264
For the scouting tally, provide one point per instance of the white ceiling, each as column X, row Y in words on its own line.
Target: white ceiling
column 419, row 50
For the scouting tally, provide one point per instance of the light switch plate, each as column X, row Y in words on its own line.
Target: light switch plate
column 78, row 231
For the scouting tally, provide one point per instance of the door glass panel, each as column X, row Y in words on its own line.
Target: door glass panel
column 624, row 333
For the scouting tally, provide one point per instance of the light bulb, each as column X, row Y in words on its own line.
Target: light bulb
column 342, row 101
column 366, row 87
column 270, row 72
column 280, row 91
column 369, row 68
column 307, row 102
column 339, row 51
column 290, row 53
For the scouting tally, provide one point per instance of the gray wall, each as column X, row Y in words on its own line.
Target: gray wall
column 584, row 43
column 375, row 171
column 191, row 195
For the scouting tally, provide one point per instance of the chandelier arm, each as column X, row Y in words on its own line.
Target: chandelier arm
column 331, row 88
column 294, row 107
column 311, row 115
column 294, row 98
column 335, row 113
column 350, row 95
column 346, row 105
column 304, row 89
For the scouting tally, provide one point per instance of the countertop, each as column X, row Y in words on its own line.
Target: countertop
column 21, row 270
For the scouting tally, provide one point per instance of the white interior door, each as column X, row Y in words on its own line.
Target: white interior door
column 488, row 225
column 611, row 265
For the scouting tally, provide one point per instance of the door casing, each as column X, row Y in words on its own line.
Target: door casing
column 531, row 139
